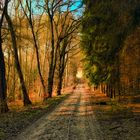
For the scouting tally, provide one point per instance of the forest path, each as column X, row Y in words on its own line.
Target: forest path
column 73, row 119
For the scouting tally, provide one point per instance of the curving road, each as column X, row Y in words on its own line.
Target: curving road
column 73, row 119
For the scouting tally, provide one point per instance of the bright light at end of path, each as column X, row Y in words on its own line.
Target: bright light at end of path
column 79, row 74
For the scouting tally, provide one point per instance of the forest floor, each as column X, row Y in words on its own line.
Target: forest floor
column 19, row 117
column 82, row 115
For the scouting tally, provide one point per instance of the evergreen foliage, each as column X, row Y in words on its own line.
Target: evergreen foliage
column 106, row 25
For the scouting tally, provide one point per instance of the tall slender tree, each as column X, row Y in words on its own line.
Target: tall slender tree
column 3, row 88
column 26, row 99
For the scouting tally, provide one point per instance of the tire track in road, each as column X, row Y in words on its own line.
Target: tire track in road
column 94, row 127
column 77, row 124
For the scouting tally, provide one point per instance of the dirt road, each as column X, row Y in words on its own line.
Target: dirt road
column 73, row 119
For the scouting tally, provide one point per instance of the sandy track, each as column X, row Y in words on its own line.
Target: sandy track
column 73, row 119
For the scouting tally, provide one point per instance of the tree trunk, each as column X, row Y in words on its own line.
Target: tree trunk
column 3, row 103
column 50, row 86
column 59, row 86
column 26, row 99
column 3, row 86
column 52, row 62
column 51, row 79
column 108, row 89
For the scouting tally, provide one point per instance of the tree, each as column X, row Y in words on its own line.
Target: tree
column 106, row 25
column 58, row 11
column 26, row 99
column 69, row 48
column 3, row 88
